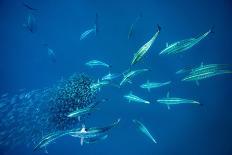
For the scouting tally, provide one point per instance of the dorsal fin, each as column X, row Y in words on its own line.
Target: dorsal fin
column 168, row 94
column 98, row 81
column 166, row 44
column 202, row 64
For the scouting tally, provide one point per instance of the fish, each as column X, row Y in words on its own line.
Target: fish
column 206, row 71
column 46, row 140
column 144, row 49
column 95, row 139
column 175, row 100
column 99, row 84
column 29, row 7
column 51, row 55
column 88, row 32
column 110, row 76
column 130, row 74
column 144, row 130
column 80, row 112
column 204, row 75
column 31, row 23
column 183, row 45
column 93, row 63
column 88, row 133
column 149, row 85
column 131, row 30
column 131, row 97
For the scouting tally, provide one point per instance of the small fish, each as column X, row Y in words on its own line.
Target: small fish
column 149, row 85
column 110, row 76
column 130, row 74
column 144, row 130
column 183, row 45
column 144, row 49
column 31, row 23
column 80, row 112
column 93, row 63
column 52, row 55
column 174, row 101
column 98, row 85
column 131, row 97
column 29, row 7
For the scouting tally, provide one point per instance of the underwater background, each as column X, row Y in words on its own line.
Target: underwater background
column 184, row 129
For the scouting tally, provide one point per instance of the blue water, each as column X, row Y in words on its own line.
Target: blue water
column 184, row 129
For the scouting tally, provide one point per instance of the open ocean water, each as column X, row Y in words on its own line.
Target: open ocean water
column 40, row 45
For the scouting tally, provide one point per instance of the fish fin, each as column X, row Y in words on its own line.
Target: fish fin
column 82, row 141
column 168, row 95
column 166, row 44
column 159, row 28
column 197, row 83
column 96, row 24
column 129, row 81
column 110, row 66
column 149, row 90
column 212, row 30
column 45, row 150
column 202, row 64
column 79, row 118
column 168, row 107
column 129, row 101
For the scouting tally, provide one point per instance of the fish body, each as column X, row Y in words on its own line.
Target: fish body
column 175, row 100
column 80, row 112
column 206, row 71
column 144, row 49
column 31, row 23
column 94, row 63
column 99, row 84
column 93, row 133
column 133, row 98
column 128, row 76
column 183, row 45
column 87, row 33
column 149, row 85
column 144, row 130
column 110, row 76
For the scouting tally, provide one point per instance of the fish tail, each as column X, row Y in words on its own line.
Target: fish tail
column 159, row 27
column 96, row 24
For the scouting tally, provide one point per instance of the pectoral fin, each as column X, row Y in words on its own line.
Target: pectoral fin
column 82, row 141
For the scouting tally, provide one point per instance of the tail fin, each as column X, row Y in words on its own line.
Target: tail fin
column 159, row 28
column 96, row 24
column 212, row 30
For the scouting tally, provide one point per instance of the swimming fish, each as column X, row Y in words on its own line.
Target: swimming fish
column 144, row 130
column 87, row 133
column 110, row 76
column 206, row 71
column 131, row 30
column 80, row 112
column 174, row 101
column 144, row 49
column 94, row 63
column 131, row 97
column 88, row 32
column 99, row 84
column 130, row 74
column 51, row 55
column 29, row 7
column 183, row 45
column 30, row 24
column 149, row 85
